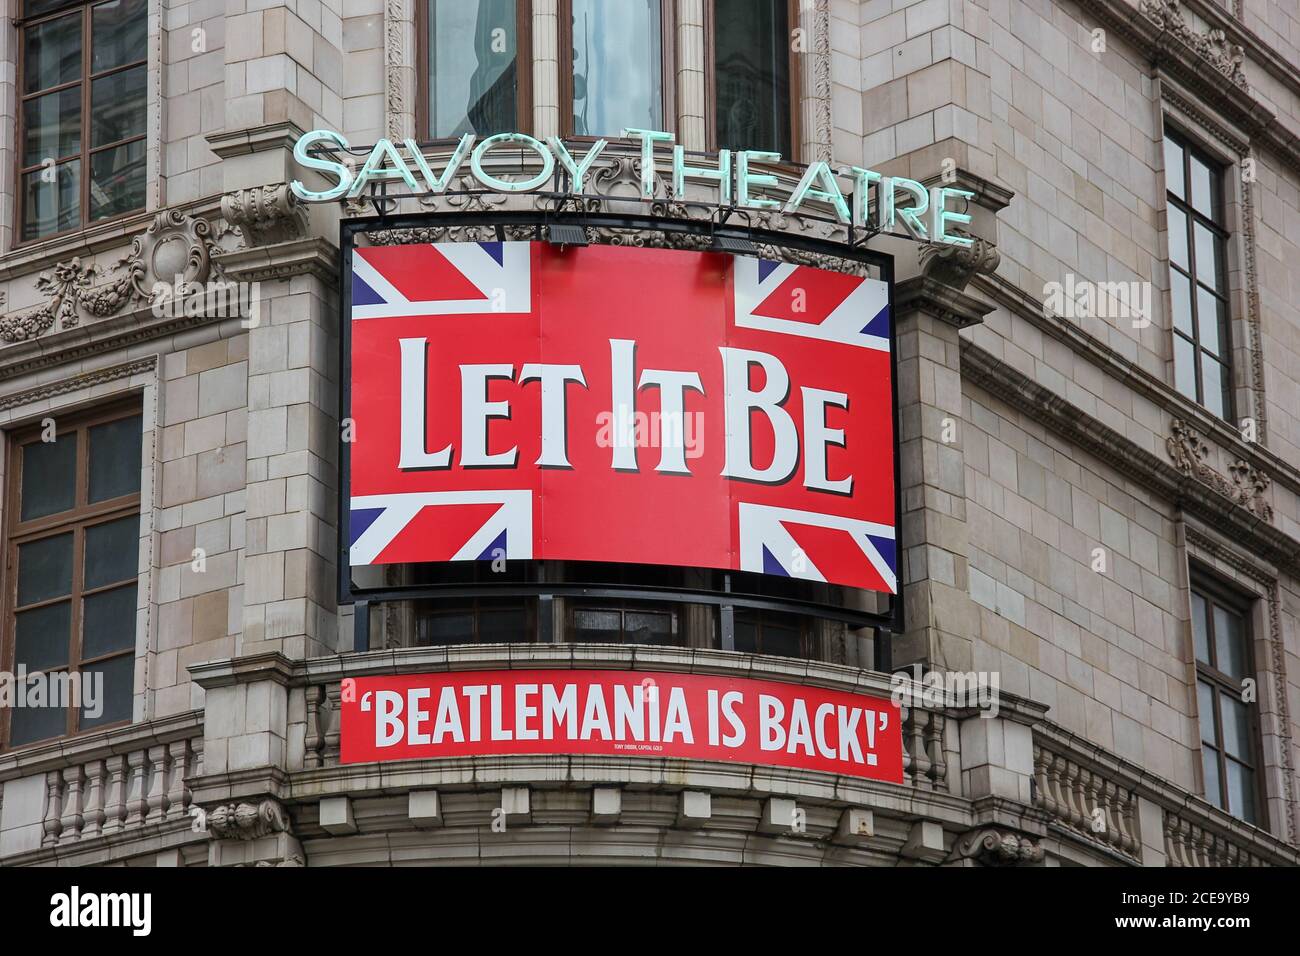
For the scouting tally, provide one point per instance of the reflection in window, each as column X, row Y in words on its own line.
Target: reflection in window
column 1198, row 277
column 1227, row 720
column 473, row 78
column 751, row 64
column 84, row 91
column 617, row 66
column 631, row 623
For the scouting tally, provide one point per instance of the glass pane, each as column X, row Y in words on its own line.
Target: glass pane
column 108, row 624
column 503, row 624
column 117, row 180
column 52, row 53
column 781, row 640
column 1200, row 628
column 1207, row 258
column 593, row 625
column 112, row 551
column 117, row 106
column 1213, row 381
column 472, row 67
column 44, row 569
column 1236, row 727
column 49, row 477
column 445, row 628
column 1180, row 294
column 120, row 32
column 30, row 724
column 115, row 458
column 1213, row 788
column 34, row 8
column 1177, row 236
column 112, row 683
column 1205, row 711
column 52, row 127
column 42, row 637
column 752, row 74
column 649, row 628
column 52, row 202
column 1229, row 643
column 1202, row 188
column 1174, row 169
column 1185, row 367
column 746, row 636
column 1241, row 791
column 617, row 66
column 1210, row 320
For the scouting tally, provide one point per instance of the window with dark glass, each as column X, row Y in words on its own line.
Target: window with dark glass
column 618, row 77
column 769, row 632
column 473, row 621
column 1198, row 276
column 81, row 123
column 477, row 69
column 72, row 561
column 1229, row 729
column 753, row 68
column 615, row 622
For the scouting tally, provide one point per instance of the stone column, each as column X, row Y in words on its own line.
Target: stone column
column 691, row 57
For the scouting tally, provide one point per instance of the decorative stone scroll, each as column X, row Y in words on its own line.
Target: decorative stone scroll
column 174, row 245
column 247, row 821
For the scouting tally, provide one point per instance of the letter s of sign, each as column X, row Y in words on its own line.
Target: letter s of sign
column 324, row 165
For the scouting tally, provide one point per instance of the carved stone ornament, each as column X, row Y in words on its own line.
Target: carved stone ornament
column 265, row 214
column 247, row 821
column 956, row 265
column 1246, row 486
column 173, row 245
column 1212, row 46
column 999, row 848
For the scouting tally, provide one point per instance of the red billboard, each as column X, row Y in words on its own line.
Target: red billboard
column 608, row 403
column 620, row 713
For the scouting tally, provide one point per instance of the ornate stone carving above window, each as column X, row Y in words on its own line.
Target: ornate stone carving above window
column 1212, row 46
column 174, row 245
column 1245, row 485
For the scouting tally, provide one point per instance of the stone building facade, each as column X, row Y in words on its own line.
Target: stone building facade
column 1117, row 542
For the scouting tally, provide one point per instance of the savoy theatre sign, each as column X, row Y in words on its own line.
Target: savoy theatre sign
column 741, row 179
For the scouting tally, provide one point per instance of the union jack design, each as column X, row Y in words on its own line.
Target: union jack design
column 515, row 303
column 814, row 303
column 444, row 278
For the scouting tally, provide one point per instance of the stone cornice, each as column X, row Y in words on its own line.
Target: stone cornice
column 63, row 386
column 311, row 255
column 1205, row 63
column 1129, row 459
column 1141, row 381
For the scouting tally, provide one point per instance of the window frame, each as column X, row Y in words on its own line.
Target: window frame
column 762, row 617
column 1222, row 237
column 1213, row 593
column 623, row 608
column 474, row 607
column 668, row 17
column 76, row 519
column 523, row 69
column 86, row 79
column 795, row 73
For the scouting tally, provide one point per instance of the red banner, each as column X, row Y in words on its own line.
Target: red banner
column 620, row 713
column 515, row 400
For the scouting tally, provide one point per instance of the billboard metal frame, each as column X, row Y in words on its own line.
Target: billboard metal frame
column 726, row 600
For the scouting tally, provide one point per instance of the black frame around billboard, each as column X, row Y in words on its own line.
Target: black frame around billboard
column 727, row 601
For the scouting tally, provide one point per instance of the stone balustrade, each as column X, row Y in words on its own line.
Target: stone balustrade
column 102, row 788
